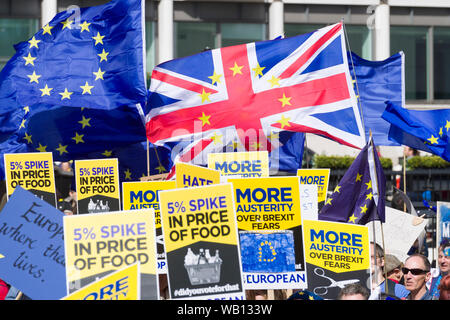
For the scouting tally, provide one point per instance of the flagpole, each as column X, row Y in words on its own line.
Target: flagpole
column 404, row 180
column 373, row 222
column 305, row 151
column 148, row 159
column 358, row 97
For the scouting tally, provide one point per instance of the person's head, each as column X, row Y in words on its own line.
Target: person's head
column 377, row 255
column 444, row 288
column 393, row 267
column 416, row 273
column 354, row 291
column 444, row 257
column 410, row 152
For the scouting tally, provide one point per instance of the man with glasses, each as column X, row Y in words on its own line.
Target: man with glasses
column 416, row 273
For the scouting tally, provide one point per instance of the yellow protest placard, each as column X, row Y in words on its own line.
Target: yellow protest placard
column 97, row 244
column 245, row 164
column 200, row 238
column 97, row 185
column 320, row 177
column 189, row 175
column 267, row 203
column 123, row 284
column 338, row 247
column 269, row 221
column 33, row 172
column 145, row 194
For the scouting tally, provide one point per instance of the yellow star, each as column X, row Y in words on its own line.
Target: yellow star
column 86, row 88
column 236, row 145
column 358, row 177
column 369, row 184
column 85, row 122
column 34, row 77
column 215, row 77
column 62, row 149
column 284, row 122
column 66, row 94
column 28, row 138
column 447, row 125
column 258, row 70
column 26, row 109
column 41, row 148
column 29, row 59
column 433, row 140
column 328, row 201
column 98, row 38
column 337, row 189
column 255, row 145
column 22, row 124
column 33, row 42
column 205, row 119
column 217, row 138
column 274, row 81
column 107, row 153
column 352, row 219
column 67, row 24
column 47, row 29
column 161, row 169
column 285, row 100
column 236, row 69
column 274, row 135
column 78, row 138
column 369, row 196
column 46, row 91
column 103, row 55
column 441, row 132
column 84, row 26
column 205, row 96
column 364, row 208
column 99, row 74
column 127, row 174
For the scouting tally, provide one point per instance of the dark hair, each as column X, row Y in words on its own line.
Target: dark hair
column 352, row 289
column 379, row 252
column 444, row 288
column 444, row 244
column 426, row 263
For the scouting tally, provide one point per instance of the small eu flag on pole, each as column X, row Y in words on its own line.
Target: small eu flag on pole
column 360, row 195
column 95, row 60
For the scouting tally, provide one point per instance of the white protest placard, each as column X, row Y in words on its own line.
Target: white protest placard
column 400, row 231
column 308, row 201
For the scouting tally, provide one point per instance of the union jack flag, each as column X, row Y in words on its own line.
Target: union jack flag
column 246, row 94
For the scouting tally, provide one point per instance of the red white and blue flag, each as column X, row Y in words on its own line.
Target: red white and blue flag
column 246, row 94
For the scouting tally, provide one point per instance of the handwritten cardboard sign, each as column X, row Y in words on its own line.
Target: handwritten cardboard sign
column 32, row 246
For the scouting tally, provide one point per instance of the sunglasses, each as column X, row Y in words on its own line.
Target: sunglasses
column 414, row 272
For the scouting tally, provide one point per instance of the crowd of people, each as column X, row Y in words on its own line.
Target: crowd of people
column 413, row 279
column 392, row 279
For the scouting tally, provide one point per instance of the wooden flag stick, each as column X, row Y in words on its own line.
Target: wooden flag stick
column 148, row 158
column 404, row 180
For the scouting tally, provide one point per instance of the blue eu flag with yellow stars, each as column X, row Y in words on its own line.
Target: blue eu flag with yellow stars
column 267, row 252
column 426, row 130
column 359, row 196
column 36, row 115
column 94, row 59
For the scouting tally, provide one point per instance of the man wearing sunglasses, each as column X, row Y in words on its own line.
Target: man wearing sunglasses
column 416, row 273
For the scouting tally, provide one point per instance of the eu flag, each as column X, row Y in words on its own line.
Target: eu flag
column 75, row 87
column 95, row 60
column 426, row 130
column 360, row 195
column 376, row 82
